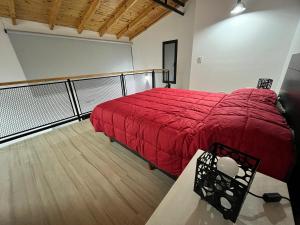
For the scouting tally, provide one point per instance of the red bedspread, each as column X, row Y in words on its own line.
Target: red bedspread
column 167, row 126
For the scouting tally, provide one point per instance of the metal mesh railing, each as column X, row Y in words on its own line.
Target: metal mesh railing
column 28, row 107
column 92, row 92
column 138, row 83
column 31, row 108
column 141, row 82
column 160, row 82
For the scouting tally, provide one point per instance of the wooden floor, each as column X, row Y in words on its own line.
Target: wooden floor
column 73, row 175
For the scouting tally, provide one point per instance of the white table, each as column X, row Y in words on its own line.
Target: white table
column 182, row 206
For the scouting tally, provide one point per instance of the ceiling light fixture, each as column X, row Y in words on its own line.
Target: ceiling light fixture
column 239, row 8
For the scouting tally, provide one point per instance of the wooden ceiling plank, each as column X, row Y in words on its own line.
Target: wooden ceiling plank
column 145, row 12
column 53, row 13
column 131, row 18
column 12, row 11
column 149, row 24
column 94, row 5
column 118, row 12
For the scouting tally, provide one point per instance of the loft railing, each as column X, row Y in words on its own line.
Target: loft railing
column 30, row 106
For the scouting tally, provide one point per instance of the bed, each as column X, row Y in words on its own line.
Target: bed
column 166, row 126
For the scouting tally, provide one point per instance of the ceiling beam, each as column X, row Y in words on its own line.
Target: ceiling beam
column 116, row 15
column 53, row 13
column 165, row 4
column 179, row 2
column 94, row 5
column 149, row 24
column 140, row 17
column 12, row 11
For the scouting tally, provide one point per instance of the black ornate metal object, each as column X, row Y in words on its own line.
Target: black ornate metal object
column 264, row 83
column 225, row 193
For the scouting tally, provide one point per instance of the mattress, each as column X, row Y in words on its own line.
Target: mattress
column 167, row 126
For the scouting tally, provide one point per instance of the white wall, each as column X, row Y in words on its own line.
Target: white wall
column 294, row 49
column 10, row 68
column 147, row 47
column 296, row 42
column 237, row 50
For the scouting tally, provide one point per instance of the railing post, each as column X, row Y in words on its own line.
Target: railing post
column 123, row 85
column 168, row 79
column 153, row 79
column 72, row 93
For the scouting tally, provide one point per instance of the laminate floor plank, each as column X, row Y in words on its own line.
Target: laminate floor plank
column 73, row 175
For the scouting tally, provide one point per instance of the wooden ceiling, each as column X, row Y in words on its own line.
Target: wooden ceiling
column 119, row 17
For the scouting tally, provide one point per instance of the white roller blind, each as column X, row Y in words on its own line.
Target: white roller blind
column 44, row 56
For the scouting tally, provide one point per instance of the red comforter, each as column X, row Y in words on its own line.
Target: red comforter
column 167, row 126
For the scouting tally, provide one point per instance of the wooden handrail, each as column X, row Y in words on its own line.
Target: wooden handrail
column 79, row 77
